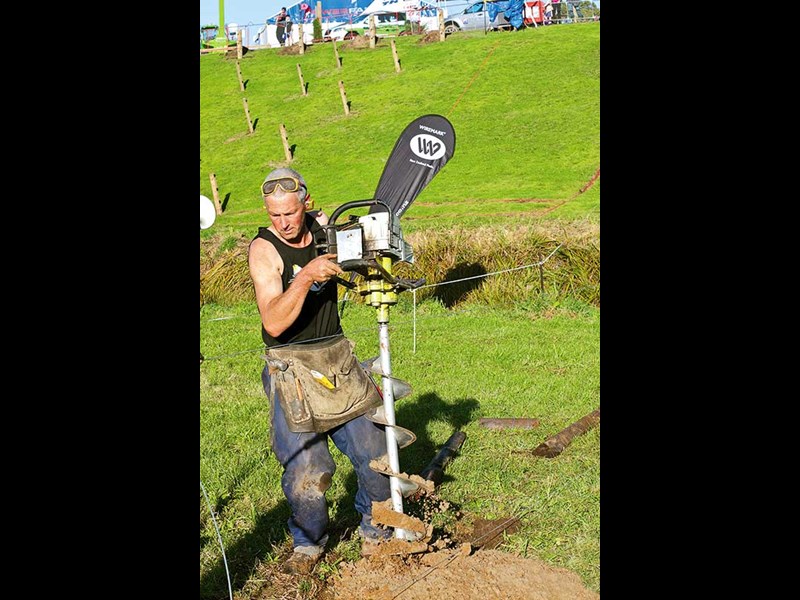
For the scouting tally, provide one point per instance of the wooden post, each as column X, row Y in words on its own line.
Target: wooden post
column 555, row 444
column 247, row 113
column 319, row 12
column 239, row 75
column 286, row 150
column 336, row 54
column 239, row 44
column 344, row 98
column 508, row 423
column 372, row 33
column 396, row 59
column 301, row 42
column 440, row 13
column 541, row 271
column 215, row 192
column 302, row 83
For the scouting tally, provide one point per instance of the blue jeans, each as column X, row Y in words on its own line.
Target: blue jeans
column 308, row 468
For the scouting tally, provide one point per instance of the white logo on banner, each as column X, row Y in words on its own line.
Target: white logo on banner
column 427, row 146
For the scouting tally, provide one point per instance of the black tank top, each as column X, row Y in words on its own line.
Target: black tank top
column 318, row 318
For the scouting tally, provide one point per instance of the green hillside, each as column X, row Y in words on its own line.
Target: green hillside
column 525, row 107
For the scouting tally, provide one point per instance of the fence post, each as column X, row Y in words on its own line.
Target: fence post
column 215, row 192
column 286, row 150
column 247, row 113
column 302, row 83
column 372, row 32
column 344, row 98
column 336, row 54
column 541, row 274
column 239, row 44
column 239, row 75
column 301, row 42
column 440, row 14
column 396, row 59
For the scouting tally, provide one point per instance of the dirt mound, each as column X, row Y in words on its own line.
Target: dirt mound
column 453, row 575
column 358, row 42
column 429, row 38
column 293, row 50
column 456, row 560
column 460, row 564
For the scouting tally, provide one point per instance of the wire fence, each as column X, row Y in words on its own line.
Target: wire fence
column 414, row 309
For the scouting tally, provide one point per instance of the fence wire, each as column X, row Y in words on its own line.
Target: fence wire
column 414, row 310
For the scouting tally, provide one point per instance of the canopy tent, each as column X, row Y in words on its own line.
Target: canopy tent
column 344, row 11
column 335, row 12
column 415, row 11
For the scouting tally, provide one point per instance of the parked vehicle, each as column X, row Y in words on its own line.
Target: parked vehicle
column 386, row 23
column 474, row 17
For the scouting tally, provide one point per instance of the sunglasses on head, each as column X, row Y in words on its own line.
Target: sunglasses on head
column 288, row 184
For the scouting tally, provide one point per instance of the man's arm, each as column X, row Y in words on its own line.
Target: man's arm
column 279, row 309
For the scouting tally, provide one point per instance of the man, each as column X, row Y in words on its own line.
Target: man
column 556, row 10
column 297, row 299
column 288, row 35
column 281, row 21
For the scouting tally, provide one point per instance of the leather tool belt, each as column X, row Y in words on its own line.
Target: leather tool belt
column 320, row 385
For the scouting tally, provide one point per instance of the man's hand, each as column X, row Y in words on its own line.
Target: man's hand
column 321, row 269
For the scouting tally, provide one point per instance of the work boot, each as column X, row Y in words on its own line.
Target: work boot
column 300, row 563
column 371, row 537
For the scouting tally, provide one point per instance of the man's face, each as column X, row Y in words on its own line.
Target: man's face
column 287, row 215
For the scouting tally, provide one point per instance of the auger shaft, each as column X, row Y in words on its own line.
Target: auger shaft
column 380, row 294
column 392, row 451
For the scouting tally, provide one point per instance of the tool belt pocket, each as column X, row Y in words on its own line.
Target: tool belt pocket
column 322, row 386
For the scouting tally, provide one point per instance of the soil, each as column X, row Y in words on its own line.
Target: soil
column 457, row 566
column 293, row 50
column 453, row 575
column 429, row 38
column 458, row 562
column 359, row 42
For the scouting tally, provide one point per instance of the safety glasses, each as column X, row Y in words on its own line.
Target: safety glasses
column 288, row 184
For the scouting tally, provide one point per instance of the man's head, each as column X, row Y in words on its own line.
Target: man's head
column 283, row 10
column 286, row 200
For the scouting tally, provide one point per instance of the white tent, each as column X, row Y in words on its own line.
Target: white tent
column 415, row 9
column 335, row 12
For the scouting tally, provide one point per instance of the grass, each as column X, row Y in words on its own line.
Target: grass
column 524, row 106
column 570, row 254
column 468, row 364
